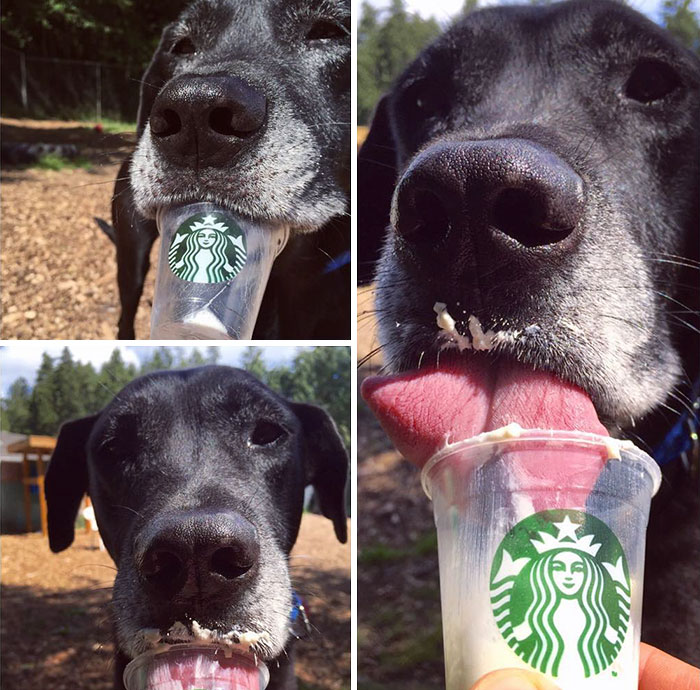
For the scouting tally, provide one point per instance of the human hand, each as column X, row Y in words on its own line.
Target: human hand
column 661, row 671
column 657, row 671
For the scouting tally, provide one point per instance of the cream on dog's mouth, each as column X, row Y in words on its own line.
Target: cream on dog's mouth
column 252, row 641
column 478, row 339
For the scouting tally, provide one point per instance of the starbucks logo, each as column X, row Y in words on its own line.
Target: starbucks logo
column 560, row 593
column 207, row 249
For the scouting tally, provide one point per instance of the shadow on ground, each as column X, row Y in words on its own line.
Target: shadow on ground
column 399, row 623
column 52, row 639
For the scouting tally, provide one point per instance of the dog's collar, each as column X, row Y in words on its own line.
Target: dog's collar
column 339, row 261
column 299, row 624
column 682, row 441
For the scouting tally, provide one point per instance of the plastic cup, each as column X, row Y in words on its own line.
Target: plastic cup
column 541, row 550
column 212, row 271
column 195, row 667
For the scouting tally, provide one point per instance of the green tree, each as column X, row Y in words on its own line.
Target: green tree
column 386, row 44
column 322, row 377
column 15, row 408
column 162, row 358
column 117, row 31
column 68, row 399
column 43, row 418
column 252, row 361
column 114, row 374
column 683, row 22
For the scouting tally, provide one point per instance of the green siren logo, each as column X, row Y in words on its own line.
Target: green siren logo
column 207, row 249
column 560, row 593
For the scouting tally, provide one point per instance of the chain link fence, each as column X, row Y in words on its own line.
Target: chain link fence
column 39, row 87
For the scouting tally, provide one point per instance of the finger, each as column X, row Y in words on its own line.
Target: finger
column 661, row 671
column 514, row 679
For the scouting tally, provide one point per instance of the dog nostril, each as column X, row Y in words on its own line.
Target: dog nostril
column 225, row 121
column 229, row 563
column 424, row 219
column 522, row 215
column 162, row 569
column 166, row 123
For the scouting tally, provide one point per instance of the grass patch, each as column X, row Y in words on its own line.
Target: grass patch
column 380, row 553
column 424, row 646
column 51, row 161
column 374, row 555
column 114, row 126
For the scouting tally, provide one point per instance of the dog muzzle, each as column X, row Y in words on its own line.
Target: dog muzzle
column 212, row 272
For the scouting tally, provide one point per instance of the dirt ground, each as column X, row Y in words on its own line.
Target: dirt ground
column 56, row 632
column 399, row 623
column 59, row 269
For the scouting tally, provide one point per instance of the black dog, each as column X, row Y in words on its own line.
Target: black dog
column 197, row 478
column 247, row 104
column 539, row 168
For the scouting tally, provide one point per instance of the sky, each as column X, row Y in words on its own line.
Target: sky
column 23, row 359
column 446, row 9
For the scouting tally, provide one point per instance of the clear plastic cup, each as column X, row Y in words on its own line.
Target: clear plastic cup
column 195, row 667
column 541, row 548
column 212, row 271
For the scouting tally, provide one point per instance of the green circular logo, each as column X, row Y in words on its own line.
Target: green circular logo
column 207, row 248
column 560, row 593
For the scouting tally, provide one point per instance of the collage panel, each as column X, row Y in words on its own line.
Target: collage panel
column 528, row 253
column 177, row 170
column 175, row 516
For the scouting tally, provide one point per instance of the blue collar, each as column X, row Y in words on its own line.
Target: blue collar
column 682, row 441
column 339, row 261
column 299, row 624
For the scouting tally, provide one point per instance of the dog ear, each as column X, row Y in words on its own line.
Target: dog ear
column 156, row 75
column 325, row 464
column 376, row 179
column 66, row 481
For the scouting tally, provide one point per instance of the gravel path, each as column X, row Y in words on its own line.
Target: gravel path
column 59, row 269
column 55, row 627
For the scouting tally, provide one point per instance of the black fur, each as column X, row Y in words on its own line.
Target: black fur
column 210, row 447
column 293, row 171
column 601, row 290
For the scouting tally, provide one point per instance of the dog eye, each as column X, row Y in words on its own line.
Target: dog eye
column 651, row 80
column 184, row 46
column 328, row 29
column 423, row 102
column 266, row 433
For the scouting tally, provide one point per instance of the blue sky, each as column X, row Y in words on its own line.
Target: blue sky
column 445, row 9
column 23, row 359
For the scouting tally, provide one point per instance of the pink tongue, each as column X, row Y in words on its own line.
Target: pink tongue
column 197, row 671
column 423, row 410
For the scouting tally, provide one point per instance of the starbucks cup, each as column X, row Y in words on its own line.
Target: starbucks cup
column 212, row 272
column 195, row 667
column 541, row 548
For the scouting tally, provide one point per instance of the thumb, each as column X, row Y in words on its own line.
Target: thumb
column 513, row 679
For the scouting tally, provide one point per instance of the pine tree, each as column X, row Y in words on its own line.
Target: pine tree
column 252, row 361
column 43, row 418
column 683, row 22
column 16, row 413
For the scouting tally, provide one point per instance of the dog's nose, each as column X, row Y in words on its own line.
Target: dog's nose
column 206, row 117
column 511, row 187
column 196, row 554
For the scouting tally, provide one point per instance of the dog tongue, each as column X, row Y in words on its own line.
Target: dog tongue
column 423, row 410
column 198, row 671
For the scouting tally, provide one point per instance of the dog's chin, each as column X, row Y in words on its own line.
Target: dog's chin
column 274, row 189
column 297, row 214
